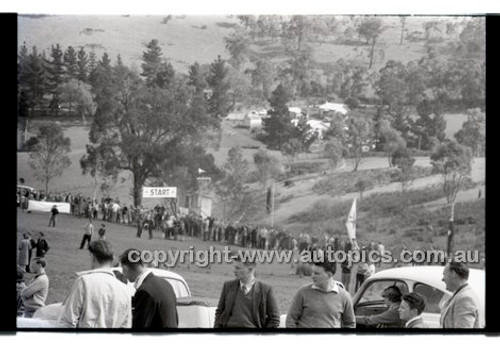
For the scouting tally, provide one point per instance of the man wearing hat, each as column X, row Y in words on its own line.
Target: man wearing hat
column 35, row 294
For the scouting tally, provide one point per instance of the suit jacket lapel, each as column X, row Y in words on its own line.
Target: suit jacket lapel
column 446, row 309
column 256, row 300
column 231, row 295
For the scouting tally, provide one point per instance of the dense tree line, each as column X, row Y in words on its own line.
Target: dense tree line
column 148, row 122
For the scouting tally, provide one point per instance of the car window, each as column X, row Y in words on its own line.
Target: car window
column 432, row 297
column 373, row 292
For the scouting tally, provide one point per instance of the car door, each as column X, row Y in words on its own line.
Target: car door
column 433, row 301
column 369, row 297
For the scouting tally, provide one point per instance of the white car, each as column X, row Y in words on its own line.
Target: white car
column 424, row 280
column 193, row 313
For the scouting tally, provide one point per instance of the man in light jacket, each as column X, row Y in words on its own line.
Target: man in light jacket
column 461, row 310
column 35, row 294
column 98, row 299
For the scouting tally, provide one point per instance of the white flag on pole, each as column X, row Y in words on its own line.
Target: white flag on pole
column 200, row 171
column 351, row 223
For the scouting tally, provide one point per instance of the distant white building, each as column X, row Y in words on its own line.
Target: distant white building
column 253, row 119
column 295, row 112
column 337, row 108
column 236, row 118
column 317, row 126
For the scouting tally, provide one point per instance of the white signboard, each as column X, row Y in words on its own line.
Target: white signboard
column 159, row 192
column 35, row 205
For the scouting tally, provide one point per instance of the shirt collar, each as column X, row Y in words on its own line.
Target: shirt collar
column 248, row 286
column 140, row 278
column 414, row 319
column 332, row 287
column 460, row 288
column 106, row 270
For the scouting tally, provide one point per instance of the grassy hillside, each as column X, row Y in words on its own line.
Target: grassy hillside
column 186, row 39
column 183, row 40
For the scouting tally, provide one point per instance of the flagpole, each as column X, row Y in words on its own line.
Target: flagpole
column 272, row 207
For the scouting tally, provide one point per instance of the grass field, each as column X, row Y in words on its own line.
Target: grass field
column 65, row 258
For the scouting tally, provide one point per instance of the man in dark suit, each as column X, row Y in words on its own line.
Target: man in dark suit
column 246, row 302
column 461, row 310
column 411, row 309
column 154, row 305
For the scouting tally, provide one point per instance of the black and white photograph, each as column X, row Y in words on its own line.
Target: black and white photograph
column 251, row 173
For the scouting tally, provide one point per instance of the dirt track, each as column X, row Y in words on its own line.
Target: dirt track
column 304, row 197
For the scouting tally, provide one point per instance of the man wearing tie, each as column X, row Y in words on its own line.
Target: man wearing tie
column 246, row 302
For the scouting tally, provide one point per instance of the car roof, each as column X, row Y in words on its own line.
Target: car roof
column 25, row 187
column 433, row 275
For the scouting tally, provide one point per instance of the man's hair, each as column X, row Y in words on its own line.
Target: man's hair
column 393, row 293
column 40, row 261
column 246, row 262
column 415, row 301
column 327, row 266
column 460, row 269
column 102, row 251
column 125, row 258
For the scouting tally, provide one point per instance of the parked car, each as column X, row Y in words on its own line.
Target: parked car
column 22, row 190
column 424, row 280
column 192, row 312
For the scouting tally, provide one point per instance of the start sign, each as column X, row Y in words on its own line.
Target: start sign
column 159, row 192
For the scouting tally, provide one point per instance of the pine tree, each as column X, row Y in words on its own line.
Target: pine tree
column 32, row 78
column 55, row 69
column 152, row 61
column 219, row 101
column 278, row 127
column 196, row 78
column 82, row 62
column 70, row 63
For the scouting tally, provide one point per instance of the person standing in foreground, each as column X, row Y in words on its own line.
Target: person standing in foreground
column 87, row 236
column 461, row 310
column 53, row 212
column 322, row 304
column 154, row 305
column 246, row 302
column 98, row 299
column 411, row 309
column 35, row 294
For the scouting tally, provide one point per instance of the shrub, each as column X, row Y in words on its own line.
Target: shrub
column 29, row 145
